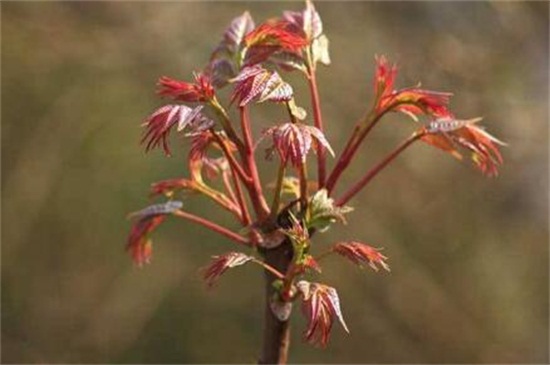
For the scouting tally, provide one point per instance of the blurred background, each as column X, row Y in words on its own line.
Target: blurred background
column 469, row 255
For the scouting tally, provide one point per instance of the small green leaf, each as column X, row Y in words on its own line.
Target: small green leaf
column 322, row 212
column 319, row 50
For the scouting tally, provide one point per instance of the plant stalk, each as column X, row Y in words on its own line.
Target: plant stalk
column 276, row 334
column 318, row 120
column 255, row 189
column 278, row 190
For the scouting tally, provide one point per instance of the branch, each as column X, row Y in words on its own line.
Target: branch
column 318, row 121
column 362, row 129
column 217, row 197
column 240, row 200
column 256, row 194
column 231, row 159
column 226, row 123
column 269, row 268
column 212, row 226
column 376, row 169
column 278, row 189
column 303, row 185
column 353, row 143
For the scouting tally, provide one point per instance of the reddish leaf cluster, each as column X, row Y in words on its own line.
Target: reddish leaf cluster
column 139, row 244
column 448, row 134
column 247, row 59
column 361, row 254
column 272, row 37
column 413, row 101
column 307, row 21
column 321, row 305
column 444, row 131
column 199, row 91
column 279, row 34
column 161, row 122
column 293, row 141
column 258, row 84
column 220, row 264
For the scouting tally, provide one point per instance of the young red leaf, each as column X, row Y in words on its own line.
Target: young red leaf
column 361, row 254
column 201, row 143
column 139, row 243
column 200, row 91
column 307, row 21
column 293, row 141
column 237, row 30
column 448, row 133
column 306, row 24
column 161, row 122
column 226, row 60
column 412, row 101
column 220, row 264
column 256, row 84
column 320, row 304
column 277, row 35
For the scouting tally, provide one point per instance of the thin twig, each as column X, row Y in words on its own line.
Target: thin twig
column 318, row 122
column 212, row 226
column 269, row 268
column 231, row 159
column 375, row 170
column 278, row 190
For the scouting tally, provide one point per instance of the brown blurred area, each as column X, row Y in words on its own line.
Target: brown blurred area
column 469, row 255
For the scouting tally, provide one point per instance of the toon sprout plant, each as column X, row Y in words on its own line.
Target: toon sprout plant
column 276, row 229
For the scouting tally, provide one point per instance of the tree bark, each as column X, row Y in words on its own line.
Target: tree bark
column 276, row 336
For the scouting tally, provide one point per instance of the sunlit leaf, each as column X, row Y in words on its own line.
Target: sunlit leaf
column 322, row 212
column 361, row 254
column 220, row 264
column 156, row 209
column 319, row 50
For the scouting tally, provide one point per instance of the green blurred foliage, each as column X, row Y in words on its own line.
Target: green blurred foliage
column 469, row 255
